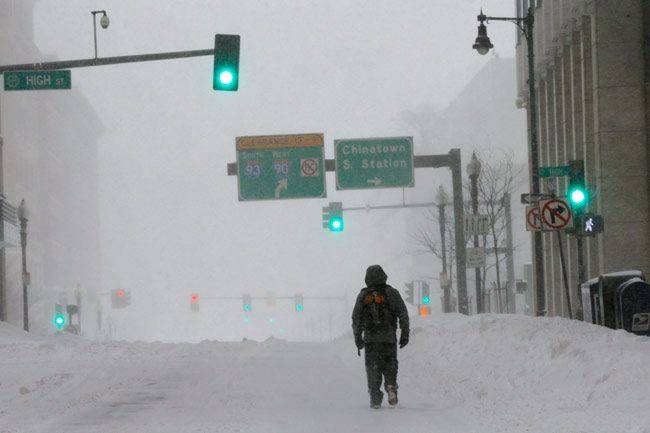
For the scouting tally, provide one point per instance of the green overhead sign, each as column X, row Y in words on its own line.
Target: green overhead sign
column 37, row 80
column 274, row 167
column 364, row 163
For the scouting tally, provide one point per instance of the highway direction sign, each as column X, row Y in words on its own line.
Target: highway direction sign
column 533, row 221
column 555, row 214
column 37, row 80
column 369, row 163
column 280, row 167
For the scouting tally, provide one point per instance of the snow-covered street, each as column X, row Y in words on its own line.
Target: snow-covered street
column 476, row 374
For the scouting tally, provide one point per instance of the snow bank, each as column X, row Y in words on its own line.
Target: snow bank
column 529, row 374
column 482, row 374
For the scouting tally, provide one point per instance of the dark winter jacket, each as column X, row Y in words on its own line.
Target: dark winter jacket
column 376, row 280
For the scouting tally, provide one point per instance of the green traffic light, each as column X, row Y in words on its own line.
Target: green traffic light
column 299, row 308
column 225, row 77
column 59, row 321
column 426, row 300
column 577, row 196
column 336, row 224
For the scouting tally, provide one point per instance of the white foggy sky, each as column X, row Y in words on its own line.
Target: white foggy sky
column 171, row 222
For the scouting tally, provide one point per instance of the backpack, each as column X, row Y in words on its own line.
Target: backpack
column 376, row 313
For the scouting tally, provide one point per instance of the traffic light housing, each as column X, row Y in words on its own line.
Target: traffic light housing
column 425, row 294
column 298, row 303
column 333, row 217
column 577, row 192
column 588, row 224
column 120, row 298
column 410, row 295
column 59, row 319
column 247, row 303
column 226, row 63
column 194, row 302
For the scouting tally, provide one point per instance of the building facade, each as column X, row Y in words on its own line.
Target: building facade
column 592, row 76
column 50, row 158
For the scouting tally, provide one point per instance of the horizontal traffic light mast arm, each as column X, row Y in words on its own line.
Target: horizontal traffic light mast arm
column 419, row 161
column 102, row 61
column 319, row 298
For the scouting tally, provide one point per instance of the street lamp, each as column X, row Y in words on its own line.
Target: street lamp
column 483, row 45
column 474, row 171
column 442, row 199
column 103, row 21
column 23, row 216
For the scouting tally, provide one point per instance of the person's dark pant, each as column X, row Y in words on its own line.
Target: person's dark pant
column 381, row 360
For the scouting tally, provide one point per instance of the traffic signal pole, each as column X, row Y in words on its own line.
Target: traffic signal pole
column 451, row 160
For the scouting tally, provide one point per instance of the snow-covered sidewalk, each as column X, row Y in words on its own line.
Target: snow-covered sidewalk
column 459, row 374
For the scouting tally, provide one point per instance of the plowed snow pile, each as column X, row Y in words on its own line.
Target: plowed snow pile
column 477, row 374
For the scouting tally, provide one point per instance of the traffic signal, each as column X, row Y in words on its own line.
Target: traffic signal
column 425, row 310
column 247, row 302
column 226, row 63
column 425, row 294
column 333, row 217
column 298, row 303
column 577, row 192
column 60, row 319
column 588, row 224
column 120, row 298
column 410, row 296
column 194, row 302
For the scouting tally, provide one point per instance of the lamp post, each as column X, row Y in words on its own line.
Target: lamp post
column 483, row 45
column 23, row 217
column 474, row 171
column 103, row 21
column 442, row 199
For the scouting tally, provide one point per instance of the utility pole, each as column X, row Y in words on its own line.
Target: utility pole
column 23, row 216
column 474, row 170
column 442, row 200
column 510, row 259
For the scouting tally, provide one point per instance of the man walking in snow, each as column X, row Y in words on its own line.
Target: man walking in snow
column 374, row 323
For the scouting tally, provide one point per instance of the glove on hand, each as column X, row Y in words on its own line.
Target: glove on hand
column 403, row 340
column 359, row 342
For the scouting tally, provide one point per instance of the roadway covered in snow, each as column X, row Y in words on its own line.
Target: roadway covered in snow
column 476, row 374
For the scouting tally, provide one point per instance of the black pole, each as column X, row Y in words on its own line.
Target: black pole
column 23, row 246
column 477, row 271
column 564, row 277
column 443, row 250
column 534, row 161
column 459, row 231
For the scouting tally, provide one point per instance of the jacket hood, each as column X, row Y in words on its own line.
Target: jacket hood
column 375, row 276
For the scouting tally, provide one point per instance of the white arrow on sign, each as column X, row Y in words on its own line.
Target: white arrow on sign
column 376, row 181
column 282, row 184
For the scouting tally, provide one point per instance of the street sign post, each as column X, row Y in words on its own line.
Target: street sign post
column 369, row 163
column 475, row 257
column 533, row 221
column 555, row 214
column 37, row 80
column 272, row 167
column 476, row 224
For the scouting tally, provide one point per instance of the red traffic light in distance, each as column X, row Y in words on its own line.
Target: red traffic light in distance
column 120, row 293
column 194, row 298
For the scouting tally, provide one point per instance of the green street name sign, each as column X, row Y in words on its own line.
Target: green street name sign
column 368, row 163
column 275, row 167
column 557, row 171
column 37, row 80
